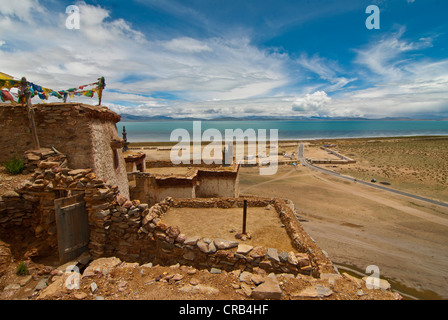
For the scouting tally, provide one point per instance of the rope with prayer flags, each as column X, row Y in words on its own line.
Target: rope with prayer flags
column 7, row 83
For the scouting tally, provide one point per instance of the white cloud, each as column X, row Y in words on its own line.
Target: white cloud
column 312, row 104
column 188, row 45
column 327, row 70
column 199, row 69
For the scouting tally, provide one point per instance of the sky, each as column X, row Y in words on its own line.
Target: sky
column 212, row 58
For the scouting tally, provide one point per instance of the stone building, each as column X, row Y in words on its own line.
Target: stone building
column 86, row 134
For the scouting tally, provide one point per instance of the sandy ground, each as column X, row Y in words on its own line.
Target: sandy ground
column 360, row 226
column 264, row 225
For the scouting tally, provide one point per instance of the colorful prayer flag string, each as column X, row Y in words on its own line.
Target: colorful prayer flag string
column 44, row 93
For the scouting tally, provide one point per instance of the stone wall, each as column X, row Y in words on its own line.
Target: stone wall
column 80, row 131
column 135, row 232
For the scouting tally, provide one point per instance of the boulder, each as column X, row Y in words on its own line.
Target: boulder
column 101, row 266
column 270, row 289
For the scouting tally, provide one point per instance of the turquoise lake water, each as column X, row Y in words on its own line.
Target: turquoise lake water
column 160, row 131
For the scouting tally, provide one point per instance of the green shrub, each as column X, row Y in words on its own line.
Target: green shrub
column 22, row 269
column 14, row 165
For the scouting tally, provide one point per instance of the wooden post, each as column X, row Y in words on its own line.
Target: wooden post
column 27, row 97
column 244, row 216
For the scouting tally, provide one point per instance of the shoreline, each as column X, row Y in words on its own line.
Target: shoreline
column 167, row 143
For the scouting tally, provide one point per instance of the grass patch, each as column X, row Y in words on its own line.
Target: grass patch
column 22, row 269
column 14, row 166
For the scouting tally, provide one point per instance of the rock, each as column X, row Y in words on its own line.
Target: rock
column 272, row 254
column 80, row 295
column 10, row 194
column 200, row 288
column 356, row 281
column 177, row 277
column 371, row 283
column 191, row 241
column 173, row 231
column 258, row 252
column 194, row 281
column 245, row 277
column 23, row 282
column 292, row 259
column 246, row 289
column 189, row 255
column 12, row 286
column 206, row 247
column 101, row 266
column 77, row 171
column 93, row 287
column 222, row 244
column 244, row 249
column 215, row 271
column 270, row 289
column 42, row 284
column 283, row 256
column 257, row 279
column 5, row 258
column 316, row 291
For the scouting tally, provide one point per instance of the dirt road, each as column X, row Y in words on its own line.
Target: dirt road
column 360, row 226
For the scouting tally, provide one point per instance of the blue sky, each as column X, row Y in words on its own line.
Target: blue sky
column 237, row 58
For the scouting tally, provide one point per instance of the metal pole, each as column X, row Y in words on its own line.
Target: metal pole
column 244, row 216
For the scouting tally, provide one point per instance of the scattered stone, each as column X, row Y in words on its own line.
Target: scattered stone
column 101, row 266
column 199, row 288
column 360, row 293
column 246, row 289
column 80, row 295
column 270, row 289
column 93, row 287
column 42, row 284
column 215, row 271
column 25, row 280
column 245, row 277
column 194, row 281
column 257, row 279
column 13, row 286
column 177, row 277
column 315, row 291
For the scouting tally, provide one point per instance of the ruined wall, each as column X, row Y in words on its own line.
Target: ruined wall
column 108, row 163
column 149, row 189
column 217, row 184
column 82, row 132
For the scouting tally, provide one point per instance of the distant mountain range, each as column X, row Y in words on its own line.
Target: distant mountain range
column 130, row 118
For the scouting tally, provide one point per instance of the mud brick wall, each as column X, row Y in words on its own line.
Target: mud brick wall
column 82, row 132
